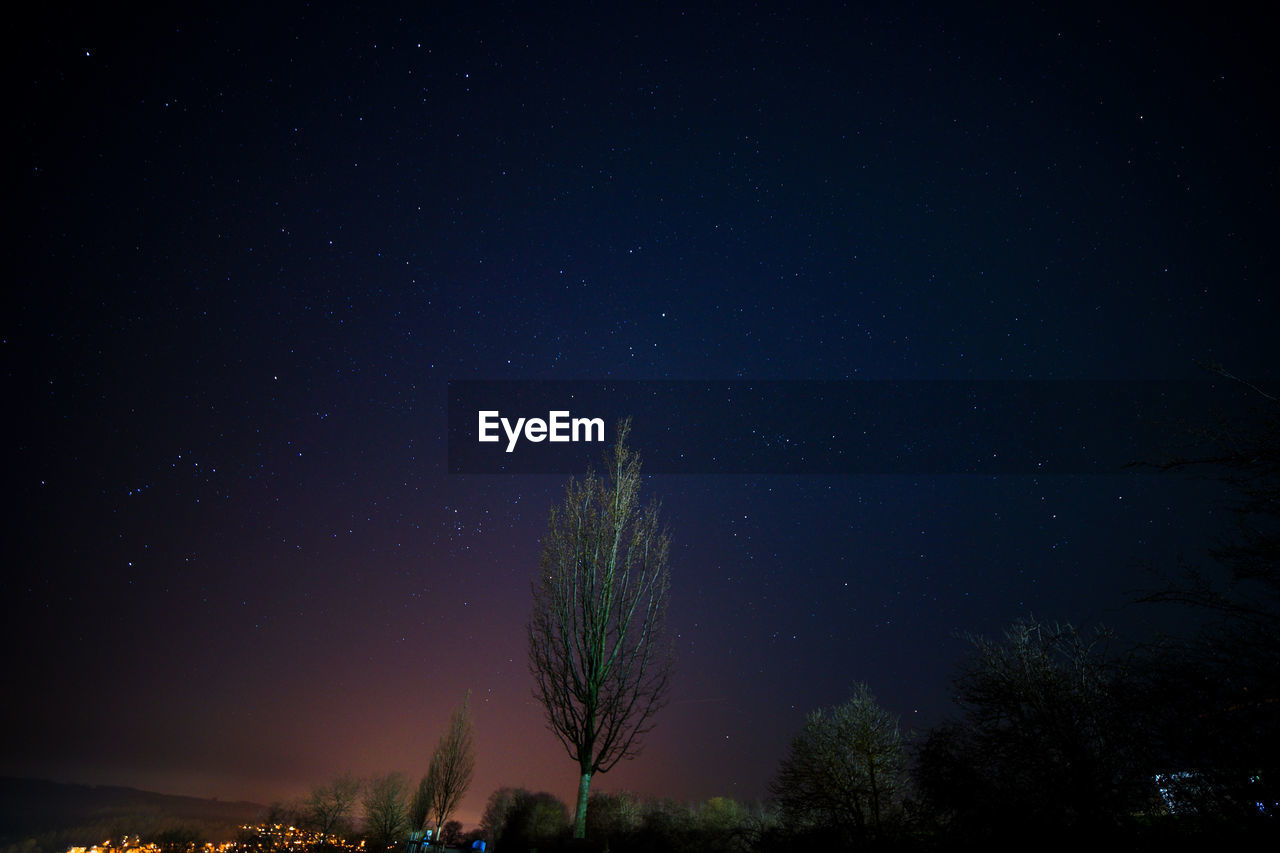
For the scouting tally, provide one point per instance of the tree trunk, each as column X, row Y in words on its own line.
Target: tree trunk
column 875, row 795
column 580, row 818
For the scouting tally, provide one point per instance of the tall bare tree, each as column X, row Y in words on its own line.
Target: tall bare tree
column 420, row 812
column 328, row 808
column 386, row 817
column 597, row 647
column 452, row 765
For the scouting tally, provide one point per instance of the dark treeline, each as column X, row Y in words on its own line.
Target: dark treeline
column 1060, row 737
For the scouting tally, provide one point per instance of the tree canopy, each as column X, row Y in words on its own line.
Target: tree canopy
column 597, row 646
column 845, row 769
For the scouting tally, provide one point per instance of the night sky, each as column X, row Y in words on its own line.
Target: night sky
column 253, row 247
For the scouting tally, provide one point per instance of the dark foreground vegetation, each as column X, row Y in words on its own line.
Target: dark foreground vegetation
column 1061, row 739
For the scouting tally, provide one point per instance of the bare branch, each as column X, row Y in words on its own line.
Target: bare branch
column 597, row 647
column 452, row 765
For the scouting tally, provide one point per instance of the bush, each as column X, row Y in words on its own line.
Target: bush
column 612, row 817
column 515, row 819
column 1049, row 738
column 845, row 773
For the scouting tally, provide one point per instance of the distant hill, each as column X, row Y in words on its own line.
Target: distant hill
column 58, row 815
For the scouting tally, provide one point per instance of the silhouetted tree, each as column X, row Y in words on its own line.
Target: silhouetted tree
column 1216, row 697
column 386, row 815
column 281, row 814
column 1049, row 737
column 451, row 833
column 666, row 824
column 761, row 823
column 1245, row 455
column 722, row 826
column 328, row 808
column 494, row 817
column 452, row 766
column 611, row 816
column 597, row 652
column 420, row 812
column 845, row 769
column 515, row 819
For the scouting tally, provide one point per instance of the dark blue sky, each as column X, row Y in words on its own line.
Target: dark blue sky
column 254, row 245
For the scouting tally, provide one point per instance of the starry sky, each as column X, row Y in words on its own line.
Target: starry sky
column 255, row 244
